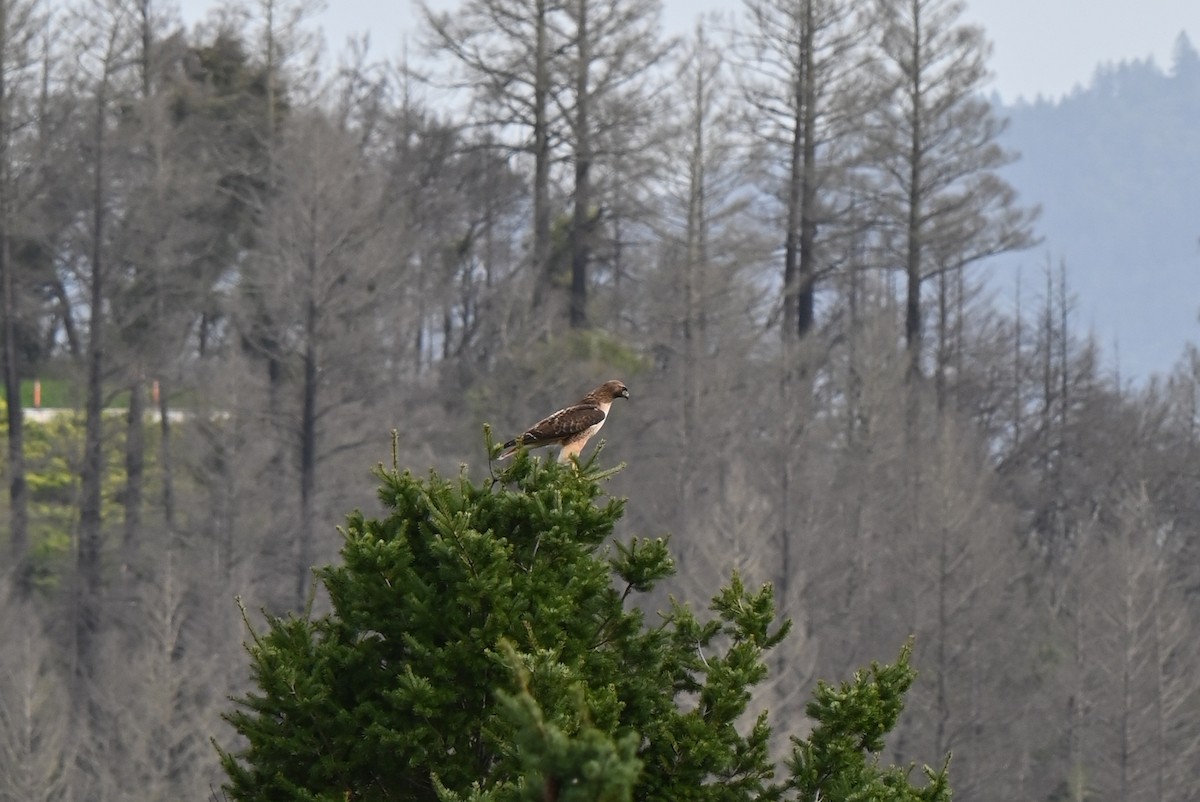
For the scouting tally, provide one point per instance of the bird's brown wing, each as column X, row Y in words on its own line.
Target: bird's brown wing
column 562, row 424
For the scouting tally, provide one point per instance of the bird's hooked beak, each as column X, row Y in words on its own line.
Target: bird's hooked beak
column 625, row 393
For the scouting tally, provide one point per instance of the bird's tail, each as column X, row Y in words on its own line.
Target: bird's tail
column 510, row 448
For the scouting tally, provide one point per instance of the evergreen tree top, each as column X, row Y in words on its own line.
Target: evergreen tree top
column 481, row 645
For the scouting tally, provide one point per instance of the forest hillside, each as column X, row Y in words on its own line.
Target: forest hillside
column 1114, row 166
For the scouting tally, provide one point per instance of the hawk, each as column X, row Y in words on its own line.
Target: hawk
column 571, row 427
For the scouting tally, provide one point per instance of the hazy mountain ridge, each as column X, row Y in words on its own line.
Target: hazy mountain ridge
column 1116, row 168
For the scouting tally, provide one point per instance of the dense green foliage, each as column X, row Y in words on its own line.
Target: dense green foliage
column 482, row 644
column 835, row 761
column 52, row 454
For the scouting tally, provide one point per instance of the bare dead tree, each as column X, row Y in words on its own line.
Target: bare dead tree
column 20, row 26
column 934, row 146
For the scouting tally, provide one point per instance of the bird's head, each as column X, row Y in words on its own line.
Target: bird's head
column 614, row 389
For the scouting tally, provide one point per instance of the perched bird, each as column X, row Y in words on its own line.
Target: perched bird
column 571, row 427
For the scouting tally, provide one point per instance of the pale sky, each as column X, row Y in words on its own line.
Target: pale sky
column 1040, row 46
column 1050, row 46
